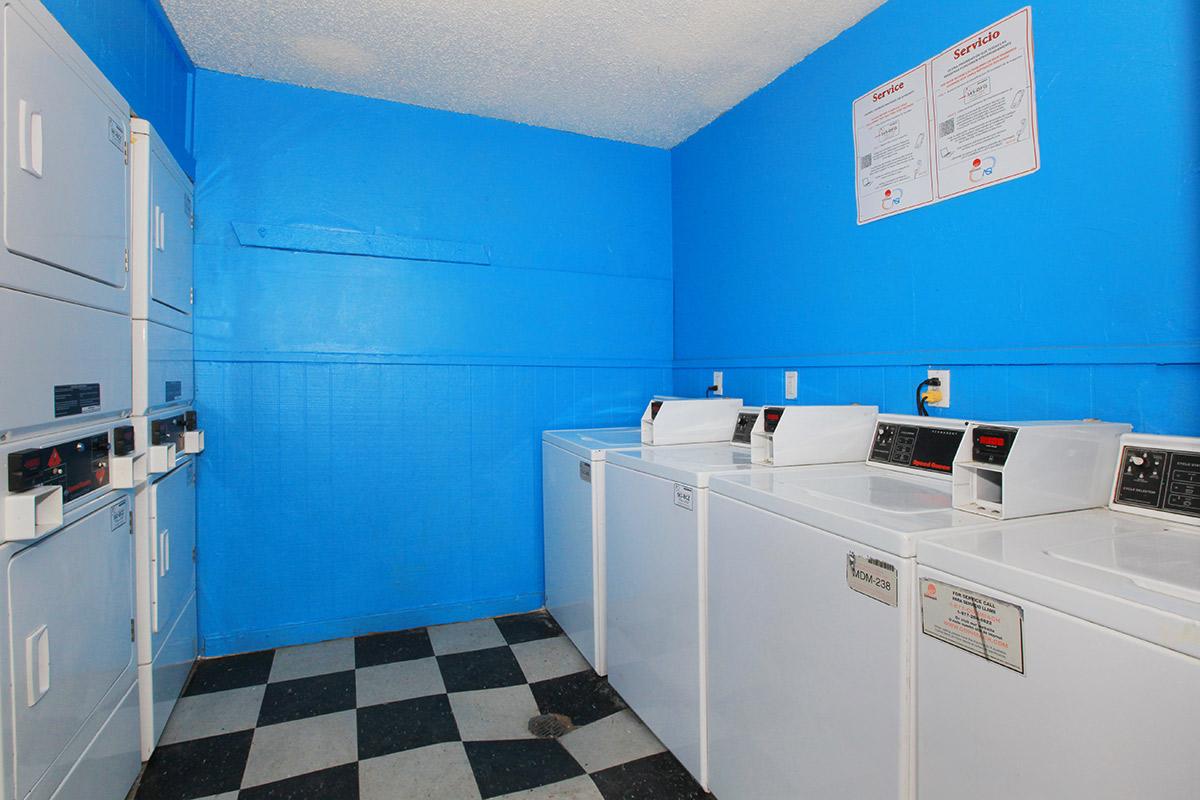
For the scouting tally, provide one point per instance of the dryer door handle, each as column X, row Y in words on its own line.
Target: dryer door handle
column 37, row 665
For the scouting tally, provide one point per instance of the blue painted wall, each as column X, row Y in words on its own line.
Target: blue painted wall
column 372, row 424
column 135, row 46
column 1070, row 293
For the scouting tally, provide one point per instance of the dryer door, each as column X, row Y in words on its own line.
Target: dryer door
column 66, row 175
column 173, row 525
column 70, row 608
column 170, row 244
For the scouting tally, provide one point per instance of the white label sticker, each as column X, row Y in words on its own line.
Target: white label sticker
column 116, row 134
column 985, row 626
column 119, row 515
column 683, row 496
column 585, row 471
column 872, row 577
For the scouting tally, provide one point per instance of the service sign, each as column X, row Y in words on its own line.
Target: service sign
column 982, row 625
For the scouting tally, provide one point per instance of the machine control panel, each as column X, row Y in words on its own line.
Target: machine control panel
column 744, row 427
column 79, row 466
column 655, row 405
column 169, row 430
column 916, row 446
column 992, row 445
column 771, row 417
column 1162, row 479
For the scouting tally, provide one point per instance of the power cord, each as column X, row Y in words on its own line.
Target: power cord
column 922, row 397
column 708, row 392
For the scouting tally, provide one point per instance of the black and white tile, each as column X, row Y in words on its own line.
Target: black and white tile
column 437, row 713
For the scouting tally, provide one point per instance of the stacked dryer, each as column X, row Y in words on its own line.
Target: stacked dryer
column 165, row 426
column 68, row 706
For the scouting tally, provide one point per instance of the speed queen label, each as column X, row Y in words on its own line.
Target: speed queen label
column 985, row 626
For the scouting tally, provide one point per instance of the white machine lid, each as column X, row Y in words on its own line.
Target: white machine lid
column 592, row 443
column 865, row 504
column 691, row 464
column 1136, row 575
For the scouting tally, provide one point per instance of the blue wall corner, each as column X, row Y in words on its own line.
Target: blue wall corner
column 1069, row 293
column 372, row 424
column 134, row 45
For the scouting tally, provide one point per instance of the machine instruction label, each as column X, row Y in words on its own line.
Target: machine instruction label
column 585, row 471
column 683, row 496
column 872, row 577
column 119, row 516
column 71, row 399
column 963, row 120
column 982, row 625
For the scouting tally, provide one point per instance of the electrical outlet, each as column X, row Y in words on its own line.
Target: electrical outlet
column 944, row 376
column 789, row 385
column 719, row 382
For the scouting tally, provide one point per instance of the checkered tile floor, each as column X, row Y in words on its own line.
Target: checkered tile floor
column 436, row 713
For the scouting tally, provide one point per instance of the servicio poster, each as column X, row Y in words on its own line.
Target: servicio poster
column 962, row 121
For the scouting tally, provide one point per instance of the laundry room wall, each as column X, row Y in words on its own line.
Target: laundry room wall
column 136, row 48
column 1068, row 293
column 372, row 458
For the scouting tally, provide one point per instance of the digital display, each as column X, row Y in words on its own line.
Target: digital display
column 655, row 405
column 992, row 445
column 771, row 417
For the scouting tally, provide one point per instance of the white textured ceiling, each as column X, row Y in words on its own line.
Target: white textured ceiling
column 645, row 71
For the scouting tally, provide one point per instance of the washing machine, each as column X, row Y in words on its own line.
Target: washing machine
column 812, row 598
column 573, row 512
column 1060, row 656
column 657, row 507
column 69, row 720
column 64, row 280
column 165, row 547
column 573, row 521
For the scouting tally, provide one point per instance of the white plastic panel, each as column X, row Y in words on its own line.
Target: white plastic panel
column 49, row 343
column 1097, row 714
column 163, row 369
column 109, row 765
column 654, row 608
column 571, row 546
column 162, row 681
column 809, row 680
column 65, row 177
column 173, row 525
column 75, row 587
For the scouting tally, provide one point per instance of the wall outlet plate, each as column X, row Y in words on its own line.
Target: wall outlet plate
column 789, row 385
column 718, row 381
column 944, row 375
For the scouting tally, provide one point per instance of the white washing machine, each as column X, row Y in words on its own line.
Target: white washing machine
column 165, row 544
column 812, row 603
column 64, row 282
column 573, row 511
column 160, row 274
column 573, row 520
column 1060, row 656
column 70, row 718
column 657, row 577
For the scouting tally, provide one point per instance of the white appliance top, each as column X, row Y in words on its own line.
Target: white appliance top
column 591, row 443
column 872, row 506
column 690, row 464
column 1137, row 575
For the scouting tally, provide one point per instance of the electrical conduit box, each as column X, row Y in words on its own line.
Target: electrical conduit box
column 787, row 436
column 1020, row 469
column 696, row 421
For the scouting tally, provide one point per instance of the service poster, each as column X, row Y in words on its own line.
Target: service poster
column 892, row 147
column 964, row 120
column 984, row 110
